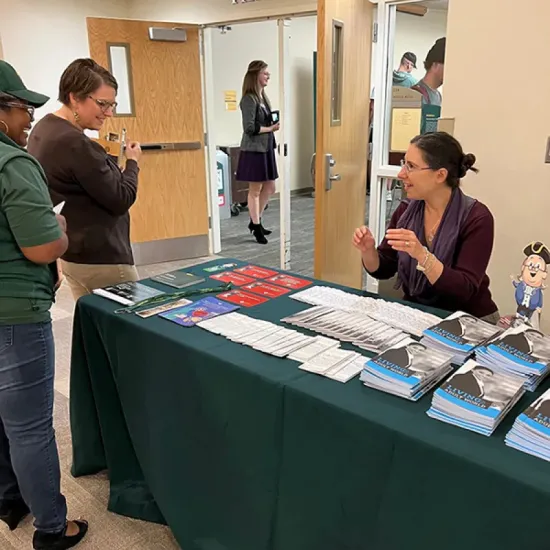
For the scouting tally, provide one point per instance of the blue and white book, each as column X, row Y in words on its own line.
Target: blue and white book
column 531, row 430
column 522, row 351
column 460, row 334
column 476, row 398
column 408, row 369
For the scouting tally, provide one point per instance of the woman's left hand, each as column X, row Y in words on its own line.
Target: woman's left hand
column 404, row 240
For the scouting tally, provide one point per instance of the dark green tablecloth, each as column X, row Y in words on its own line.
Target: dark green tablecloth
column 237, row 450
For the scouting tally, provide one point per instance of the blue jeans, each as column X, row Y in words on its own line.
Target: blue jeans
column 29, row 462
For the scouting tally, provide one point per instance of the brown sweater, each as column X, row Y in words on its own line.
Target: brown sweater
column 98, row 194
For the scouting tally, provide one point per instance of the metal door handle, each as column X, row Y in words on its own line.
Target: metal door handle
column 335, row 177
column 312, row 168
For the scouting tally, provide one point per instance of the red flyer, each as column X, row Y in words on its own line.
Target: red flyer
column 256, row 272
column 242, row 298
column 230, row 277
column 265, row 289
column 289, row 282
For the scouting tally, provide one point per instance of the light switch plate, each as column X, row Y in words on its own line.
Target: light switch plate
column 547, row 158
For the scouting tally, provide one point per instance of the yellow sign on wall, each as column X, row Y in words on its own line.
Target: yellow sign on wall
column 230, row 98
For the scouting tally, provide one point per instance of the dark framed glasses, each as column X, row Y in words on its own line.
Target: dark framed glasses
column 14, row 104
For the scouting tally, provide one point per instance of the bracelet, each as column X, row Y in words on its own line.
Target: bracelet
column 432, row 263
column 421, row 266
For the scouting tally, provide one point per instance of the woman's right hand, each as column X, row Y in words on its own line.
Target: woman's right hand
column 133, row 151
column 276, row 127
column 363, row 240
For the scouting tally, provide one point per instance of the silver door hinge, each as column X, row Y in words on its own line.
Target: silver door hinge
column 375, row 32
column 206, row 139
column 209, row 222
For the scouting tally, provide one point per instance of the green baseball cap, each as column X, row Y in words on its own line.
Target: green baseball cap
column 11, row 83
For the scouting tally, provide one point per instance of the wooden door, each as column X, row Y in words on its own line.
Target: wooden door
column 170, row 216
column 343, row 96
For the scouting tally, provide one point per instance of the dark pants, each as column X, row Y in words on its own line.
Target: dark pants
column 29, row 462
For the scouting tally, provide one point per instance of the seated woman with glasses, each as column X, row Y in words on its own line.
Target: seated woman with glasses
column 97, row 192
column 32, row 238
column 439, row 241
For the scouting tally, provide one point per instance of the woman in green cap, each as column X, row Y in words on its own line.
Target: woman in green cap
column 32, row 238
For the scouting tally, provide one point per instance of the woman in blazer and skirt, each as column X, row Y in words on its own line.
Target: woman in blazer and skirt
column 257, row 163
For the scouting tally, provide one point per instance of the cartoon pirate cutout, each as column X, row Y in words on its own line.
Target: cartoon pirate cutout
column 530, row 284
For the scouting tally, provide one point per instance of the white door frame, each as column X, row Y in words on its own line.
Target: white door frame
column 381, row 123
column 283, row 138
column 207, row 67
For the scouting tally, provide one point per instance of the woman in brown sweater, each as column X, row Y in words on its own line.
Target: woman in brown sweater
column 97, row 192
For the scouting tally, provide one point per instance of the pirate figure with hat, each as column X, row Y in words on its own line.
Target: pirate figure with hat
column 530, row 284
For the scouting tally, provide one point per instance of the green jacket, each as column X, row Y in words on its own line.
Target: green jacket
column 26, row 220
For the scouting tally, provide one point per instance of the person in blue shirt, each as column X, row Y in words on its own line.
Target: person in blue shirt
column 403, row 77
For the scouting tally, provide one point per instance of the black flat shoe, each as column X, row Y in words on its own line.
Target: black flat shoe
column 12, row 512
column 59, row 541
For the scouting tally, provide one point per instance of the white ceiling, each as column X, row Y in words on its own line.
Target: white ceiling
column 437, row 4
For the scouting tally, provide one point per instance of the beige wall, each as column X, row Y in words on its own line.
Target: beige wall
column 497, row 86
column 208, row 11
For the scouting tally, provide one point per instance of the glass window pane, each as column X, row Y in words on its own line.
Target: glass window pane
column 119, row 64
column 337, row 72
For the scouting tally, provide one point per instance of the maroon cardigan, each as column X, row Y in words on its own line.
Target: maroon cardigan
column 465, row 285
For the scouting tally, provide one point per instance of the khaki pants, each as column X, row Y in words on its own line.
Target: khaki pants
column 83, row 278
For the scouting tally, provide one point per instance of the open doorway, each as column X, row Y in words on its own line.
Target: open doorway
column 411, row 36
column 232, row 48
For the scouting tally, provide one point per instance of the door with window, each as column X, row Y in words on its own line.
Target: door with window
column 343, row 97
column 160, row 105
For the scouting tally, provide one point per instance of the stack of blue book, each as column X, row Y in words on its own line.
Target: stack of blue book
column 521, row 351
column 531, row 430
column 476, row 398
column 409, row 370
column 459, row 334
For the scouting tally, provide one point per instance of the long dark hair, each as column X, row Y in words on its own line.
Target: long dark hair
column 441, row 150
column 250, row 82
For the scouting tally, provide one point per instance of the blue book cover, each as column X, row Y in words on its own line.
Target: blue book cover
column 462, row 332
column 191, row 314
column 523, row 346
column 537, row 415
column 480, row 390
column 408, row 362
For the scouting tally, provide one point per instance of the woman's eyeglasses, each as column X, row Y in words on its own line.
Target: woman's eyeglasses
column 408, row 167
column 103, row 104
column 29, row 108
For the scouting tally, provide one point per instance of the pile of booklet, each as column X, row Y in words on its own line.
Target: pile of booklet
column 476, row 398
column 531, row 430
column 129, row 293
column 318, row 354
column 397, row 315
column 522, row 351
column 408, row 370
column 361, row 330
column 459, row 334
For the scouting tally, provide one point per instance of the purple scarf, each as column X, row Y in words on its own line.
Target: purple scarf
column 443, row 246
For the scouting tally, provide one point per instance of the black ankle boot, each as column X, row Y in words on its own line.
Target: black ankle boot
column 264, row 230
column 59, row 541
column 12, row 512
column 256, row 229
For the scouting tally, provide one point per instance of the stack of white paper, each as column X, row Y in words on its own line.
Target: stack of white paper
column 335, row 363
column 394, row 314
column 361, row 330
column 476, row 398
column 408, row 370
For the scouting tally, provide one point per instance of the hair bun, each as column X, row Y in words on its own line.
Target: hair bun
column 468, row 161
